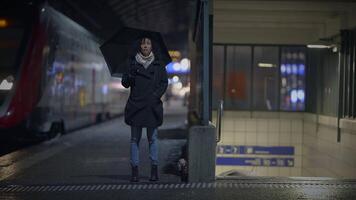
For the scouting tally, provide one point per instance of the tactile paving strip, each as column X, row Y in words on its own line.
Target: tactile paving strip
column 169, row 186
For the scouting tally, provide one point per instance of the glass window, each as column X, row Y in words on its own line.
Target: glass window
column 260, row 77
column 292, row 78
column 218, row 75
column 237, row 81
column 10, row 41
column 11, row 37
column 330, row 84
column 312, row 80
column 265, row 78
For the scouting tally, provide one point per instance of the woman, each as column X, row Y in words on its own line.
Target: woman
column 148, row 81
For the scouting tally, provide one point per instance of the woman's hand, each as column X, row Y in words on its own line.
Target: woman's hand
column 128, row 78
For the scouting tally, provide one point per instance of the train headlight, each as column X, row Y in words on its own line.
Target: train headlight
column 7, row 83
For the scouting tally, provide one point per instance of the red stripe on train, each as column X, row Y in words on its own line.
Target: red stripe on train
column 27, row 89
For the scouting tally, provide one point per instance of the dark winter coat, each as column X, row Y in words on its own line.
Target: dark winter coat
column 144, row 106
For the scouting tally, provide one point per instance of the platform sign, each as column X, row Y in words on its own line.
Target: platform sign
column 257, row 155
column 255, row 150
column 251, row 161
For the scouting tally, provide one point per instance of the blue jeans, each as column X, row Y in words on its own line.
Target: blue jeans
column 136, row 133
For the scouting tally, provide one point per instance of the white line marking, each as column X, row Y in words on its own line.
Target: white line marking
column 26, row 188
column 20, row 189
column 35, row 188
column 92, row 187
column 71, row 188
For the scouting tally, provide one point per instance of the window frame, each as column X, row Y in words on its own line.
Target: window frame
column 250, row 103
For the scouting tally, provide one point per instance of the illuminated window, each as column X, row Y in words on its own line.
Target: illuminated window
column 262, row 78
column 292, row 81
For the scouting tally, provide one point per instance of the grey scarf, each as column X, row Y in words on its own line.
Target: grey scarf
column 145, row 60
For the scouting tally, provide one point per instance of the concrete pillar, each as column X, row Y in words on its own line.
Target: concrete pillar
column 201, row 153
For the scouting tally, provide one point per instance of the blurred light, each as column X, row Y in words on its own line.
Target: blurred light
column 179, row 85
column 169, row 67
column 176, row 66
column 301, row 69
column 175, row 79
column 6, row 84
column 284, row 82
column 301, row 56
column 185, row 64
column 301, row 95
column 43, row 9
column 294, row 96
column 175, row 55
column 295, row 55
column 266, row 65
column 97, row 66
column 3, row 23
column 335, row 49
column 283, row 68
column 318, row 46
column 294, row 69
column 105, row 89
column 8, row 113
column 288, row 69
column 116, row 85
column 183, row 91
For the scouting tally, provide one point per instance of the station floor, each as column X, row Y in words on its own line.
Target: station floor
column 93, row 163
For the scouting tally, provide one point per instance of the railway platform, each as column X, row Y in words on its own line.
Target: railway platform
column 93, row 163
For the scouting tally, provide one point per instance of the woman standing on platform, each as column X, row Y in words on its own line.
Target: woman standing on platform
column 148, row 81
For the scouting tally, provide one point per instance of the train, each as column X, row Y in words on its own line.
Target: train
column 53, row 76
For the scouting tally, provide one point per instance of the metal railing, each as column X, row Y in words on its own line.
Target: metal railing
column 218, row 120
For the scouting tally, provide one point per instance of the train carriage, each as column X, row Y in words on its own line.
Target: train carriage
column 53, row 77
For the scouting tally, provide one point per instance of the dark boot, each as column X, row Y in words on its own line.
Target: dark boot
column 134, row 176
column 154, row 173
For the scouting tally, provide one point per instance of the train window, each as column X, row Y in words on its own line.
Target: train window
column 265, row 78
column 10, row 42
column 11, row 38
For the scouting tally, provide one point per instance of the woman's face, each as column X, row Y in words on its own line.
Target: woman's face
column 146, row 47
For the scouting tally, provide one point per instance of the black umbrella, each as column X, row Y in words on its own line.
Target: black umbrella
column 121, row 48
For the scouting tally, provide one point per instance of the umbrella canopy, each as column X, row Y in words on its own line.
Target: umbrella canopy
column 123, row 46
